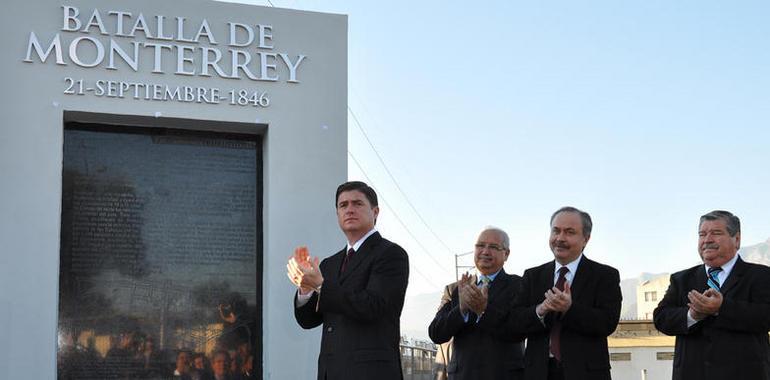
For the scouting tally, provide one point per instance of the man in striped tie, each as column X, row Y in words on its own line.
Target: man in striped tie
column 719, row 311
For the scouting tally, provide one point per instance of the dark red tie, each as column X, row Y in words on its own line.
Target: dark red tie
column 351, row 251
column 556, row 327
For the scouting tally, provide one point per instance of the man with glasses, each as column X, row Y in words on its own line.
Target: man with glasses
column 568, row 307
column 719, row 311
column 472, row 312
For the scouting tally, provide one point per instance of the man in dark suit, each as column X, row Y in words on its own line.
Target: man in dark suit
column 567, row 307
column 357, row 294
column 473, row 311
column 719, row 311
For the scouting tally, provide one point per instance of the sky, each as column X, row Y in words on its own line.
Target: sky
column 646, row 114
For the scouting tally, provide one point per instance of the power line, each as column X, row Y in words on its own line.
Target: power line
column 402, row 193
column 396, row 215
column 400, row 222
column 400, row 190
column 397, row 218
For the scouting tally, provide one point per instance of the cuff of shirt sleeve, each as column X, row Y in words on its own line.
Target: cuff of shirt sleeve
column 690, row 320
column 541, row 318
column 302, row 299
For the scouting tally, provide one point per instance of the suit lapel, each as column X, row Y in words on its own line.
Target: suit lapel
column 335, row 262
column 739, row 269
column 546, row 277
column 365, row 253
column 581, row 277
column 698, row 281
column 502, row 280
column 545, row 282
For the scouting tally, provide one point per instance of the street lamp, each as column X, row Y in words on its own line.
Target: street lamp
column 458, row 266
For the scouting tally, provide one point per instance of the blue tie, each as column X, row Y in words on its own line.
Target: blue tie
column 713, row 278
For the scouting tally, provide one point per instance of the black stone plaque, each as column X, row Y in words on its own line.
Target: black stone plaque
column 160, row 252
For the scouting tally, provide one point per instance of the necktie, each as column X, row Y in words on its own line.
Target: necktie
column 713, row 278
column 556, row 327
column 484, row 280
column 562, row 278
column 350, row 253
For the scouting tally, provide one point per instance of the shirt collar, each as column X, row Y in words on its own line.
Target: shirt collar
column 361, row 241
column 490, row 276
column 726, row 269
column 572, row 266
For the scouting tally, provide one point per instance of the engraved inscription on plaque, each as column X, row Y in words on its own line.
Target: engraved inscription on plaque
column 159, row 253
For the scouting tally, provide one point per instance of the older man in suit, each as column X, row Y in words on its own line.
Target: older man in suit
column 719, row 311
column 357, row 294
column 567, row 307
column 473, row 311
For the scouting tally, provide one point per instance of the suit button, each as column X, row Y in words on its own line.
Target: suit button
column 329, row 329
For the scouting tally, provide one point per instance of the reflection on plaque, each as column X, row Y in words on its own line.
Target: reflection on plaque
column 159, row 245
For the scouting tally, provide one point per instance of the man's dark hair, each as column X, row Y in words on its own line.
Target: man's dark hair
column 588, row 225
column 371, row 196
column 732, row 221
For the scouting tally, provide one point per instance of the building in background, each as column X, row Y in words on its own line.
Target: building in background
column 648, row 294
column 639, row 352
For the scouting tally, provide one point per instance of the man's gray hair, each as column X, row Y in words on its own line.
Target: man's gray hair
column 732, row 221
column 588, row 225
column 502, row 234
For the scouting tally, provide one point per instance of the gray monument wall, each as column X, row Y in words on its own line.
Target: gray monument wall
column 91, row 74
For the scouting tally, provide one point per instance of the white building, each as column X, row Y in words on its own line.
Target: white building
column 648, row 294
column 639, row 352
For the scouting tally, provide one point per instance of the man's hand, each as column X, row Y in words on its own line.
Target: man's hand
column 557, row 300
column 462, row 292
column 704, row 304
column 542, row 309
column 303, row 271
column 478, row 298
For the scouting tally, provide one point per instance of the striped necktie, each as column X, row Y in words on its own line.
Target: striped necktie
column 713, row 278
column 484, row 280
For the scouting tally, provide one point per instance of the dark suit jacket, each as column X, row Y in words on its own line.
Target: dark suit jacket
column 360, row 311
column 480, row 350
column 731, row 345
column 593, row 316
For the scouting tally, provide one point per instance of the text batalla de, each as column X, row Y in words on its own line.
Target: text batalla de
column 176, row 45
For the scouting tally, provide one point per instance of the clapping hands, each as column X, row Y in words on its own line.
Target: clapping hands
column 704, row 304
column 303, row 271
column 472, row 298
column 556, row 300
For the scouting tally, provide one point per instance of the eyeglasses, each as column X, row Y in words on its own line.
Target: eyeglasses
column 492, row 247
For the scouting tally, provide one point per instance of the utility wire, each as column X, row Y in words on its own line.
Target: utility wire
column 400, row 190
column 396, row 215
column 402, row 193
column 402, row 224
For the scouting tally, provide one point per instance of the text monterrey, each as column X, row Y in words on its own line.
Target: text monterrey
column 233, row 50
